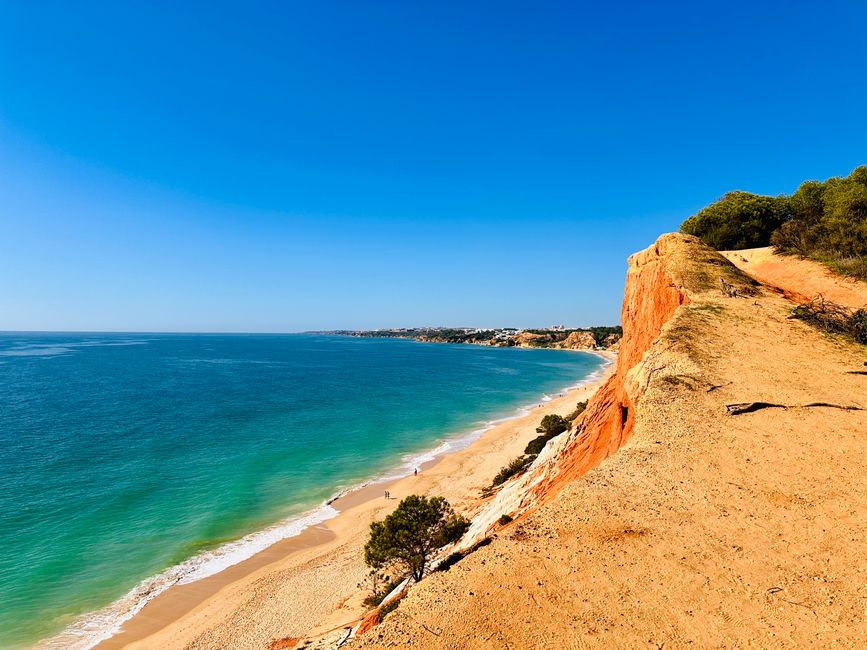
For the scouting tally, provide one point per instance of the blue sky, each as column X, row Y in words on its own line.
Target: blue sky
column 297, row 165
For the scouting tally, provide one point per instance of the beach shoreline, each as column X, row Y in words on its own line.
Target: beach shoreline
column 328, row 553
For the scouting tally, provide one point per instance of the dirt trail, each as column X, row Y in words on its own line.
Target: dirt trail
column 802, row 279
column 705, row 530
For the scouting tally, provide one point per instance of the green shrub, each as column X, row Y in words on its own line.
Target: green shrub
column 738, row 220
column 409, row 536
column 553, row 424
column 580, row 407
column 504, row 519
column 823, row 220
column 537, row 444
column 515, row 467
column 387, row 609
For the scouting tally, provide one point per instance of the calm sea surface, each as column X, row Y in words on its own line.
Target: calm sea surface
column 122, row 455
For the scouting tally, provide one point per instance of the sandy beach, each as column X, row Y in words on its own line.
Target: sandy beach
column 310, row 582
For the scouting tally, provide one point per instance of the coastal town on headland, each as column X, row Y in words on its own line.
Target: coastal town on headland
column 557, row 337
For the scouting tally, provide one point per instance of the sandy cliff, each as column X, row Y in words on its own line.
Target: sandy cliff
column 578, row 341
column 662, row 521
column 655, row 288
column 572, row 341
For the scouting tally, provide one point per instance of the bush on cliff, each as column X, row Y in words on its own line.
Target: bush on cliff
column 515, row 467
column 537, row 444
column 738, row 220
column 412, row 533
column 552, row 426
column 823, row 220
column 580, row 407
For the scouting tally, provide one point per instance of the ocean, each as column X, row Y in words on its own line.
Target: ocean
column 130, row 461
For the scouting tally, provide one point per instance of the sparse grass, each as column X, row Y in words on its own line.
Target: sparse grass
column 689, row 329
column 710, row 307
column 853, row 267
column 700, row 267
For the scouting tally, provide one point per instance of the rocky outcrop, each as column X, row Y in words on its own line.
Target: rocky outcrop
column 658, row 281
column 529, row 340
column 577, row 341
column 611, row 342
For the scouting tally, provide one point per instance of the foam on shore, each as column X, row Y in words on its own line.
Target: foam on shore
column 95, row 627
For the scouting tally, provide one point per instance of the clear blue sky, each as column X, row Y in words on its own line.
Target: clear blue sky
column 294, row 165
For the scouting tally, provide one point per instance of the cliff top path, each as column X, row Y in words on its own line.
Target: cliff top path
column 705, row 529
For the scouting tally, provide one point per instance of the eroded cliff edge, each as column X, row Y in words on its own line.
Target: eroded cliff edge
column 699, row 529
column 659, row 280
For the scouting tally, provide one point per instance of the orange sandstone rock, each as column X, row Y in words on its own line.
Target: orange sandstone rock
column 371, row 620
column 651, row 296
column 577, row 341
column 654, row 290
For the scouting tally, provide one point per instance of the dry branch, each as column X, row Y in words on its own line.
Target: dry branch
column 750, row 407
column 834, row 318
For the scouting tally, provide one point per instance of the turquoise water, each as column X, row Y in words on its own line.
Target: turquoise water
column 123, row 455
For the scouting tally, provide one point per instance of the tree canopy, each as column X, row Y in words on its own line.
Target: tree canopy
column 824, row 220
column 738, row 220
column 409, row 536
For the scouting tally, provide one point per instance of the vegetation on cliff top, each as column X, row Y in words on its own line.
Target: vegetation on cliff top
column 825, row 221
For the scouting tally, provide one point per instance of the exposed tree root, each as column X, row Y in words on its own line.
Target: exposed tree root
column 750, row 407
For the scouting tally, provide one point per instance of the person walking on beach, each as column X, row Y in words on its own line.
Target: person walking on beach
column 387, row 495
column 416, row 471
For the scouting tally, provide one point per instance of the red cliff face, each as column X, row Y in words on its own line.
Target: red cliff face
column 650, row 299
column 654, row 291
